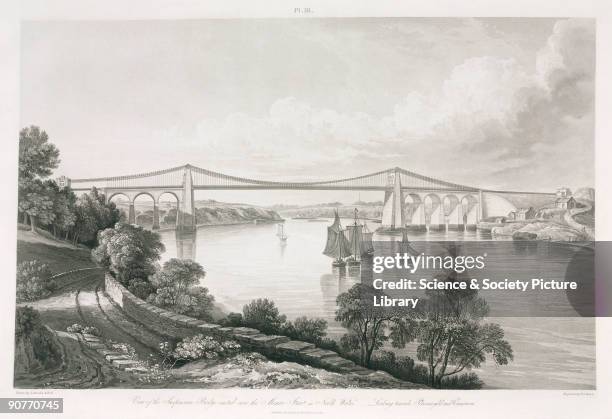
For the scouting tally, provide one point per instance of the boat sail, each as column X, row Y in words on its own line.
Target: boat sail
column 280, row 232
column 337, row 246
column 405, row 245
column 368, row 247
column 356, row 244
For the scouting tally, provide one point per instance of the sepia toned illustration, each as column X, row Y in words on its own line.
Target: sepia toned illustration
column 202, row 202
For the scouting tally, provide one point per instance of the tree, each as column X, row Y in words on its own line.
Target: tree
column 65, row 211
column 37, row 159
column 37, row 156
column 450, row 334
column 177, row 289
column 366, row 322
column 263, row 315
column 36, row 200
column 128, row 251
column 93, row 214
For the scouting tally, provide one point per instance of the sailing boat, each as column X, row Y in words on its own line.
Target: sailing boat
column 280, row 232
column 405, row 244
column 337, row 246
column 368, row 247
column 355, row 238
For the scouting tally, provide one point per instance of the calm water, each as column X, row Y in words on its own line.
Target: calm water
column 244, row 262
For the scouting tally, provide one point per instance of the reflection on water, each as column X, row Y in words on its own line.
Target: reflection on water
column 186, row 245
column 244, row 262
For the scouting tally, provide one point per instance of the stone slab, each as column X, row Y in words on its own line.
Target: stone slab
column 209, row 327
column 317, row 354
column 336, row 362
column 268, row 341
column 96, row 345
column 124, row 363
column 293, row 347
column 246, row 331
column 116, row 357
column 108, row 352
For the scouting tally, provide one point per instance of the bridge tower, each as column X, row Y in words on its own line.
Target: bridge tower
column 186, row 212
column 393, row 214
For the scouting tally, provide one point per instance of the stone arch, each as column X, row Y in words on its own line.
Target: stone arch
column 125, row 212
column 469, row 211
column 146, row 217
column 167, row 215
column 412, row 205
column 162, row 193
column 149, row 194
column 114, row 194
column 451, row 209
column 449, row 203
column 432, row 208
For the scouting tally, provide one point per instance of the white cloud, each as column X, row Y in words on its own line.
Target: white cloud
column 489, row 108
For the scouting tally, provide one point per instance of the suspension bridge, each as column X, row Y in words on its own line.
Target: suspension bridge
column 410, row 199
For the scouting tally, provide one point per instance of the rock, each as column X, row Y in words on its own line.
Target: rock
column 246, row 331
column 292, row 348
column 315, row 355
column 116, row 357
column 125, row 363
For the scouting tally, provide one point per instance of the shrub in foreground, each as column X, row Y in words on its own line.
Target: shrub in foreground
column 34, row 281
column 200, row 347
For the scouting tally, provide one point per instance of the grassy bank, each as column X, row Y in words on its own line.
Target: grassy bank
column 58, row 255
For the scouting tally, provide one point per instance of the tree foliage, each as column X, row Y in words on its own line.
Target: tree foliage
column 93, row 214
column 37, row 156
column 451, row 335
column 34, row 281
column 46, row 205
column 367, row 323
column 36, row 200
column 177, row 289
column 128, row 251
column 308, row 330
column 263, row 315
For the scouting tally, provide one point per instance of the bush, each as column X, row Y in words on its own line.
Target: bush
column 203, row 347
column 263, row 315
column 177, row 289
column 26, row 321
column 128, row 251
column 330, row 344
column 308, row 330
column 34, row 281
column 195, row 302
column 141, row 288
column 468, row 381
column 232, row 320
column 33, row 340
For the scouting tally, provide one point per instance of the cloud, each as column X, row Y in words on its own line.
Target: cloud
column 491, row 116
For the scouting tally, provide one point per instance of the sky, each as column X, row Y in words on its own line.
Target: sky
column 494, row 103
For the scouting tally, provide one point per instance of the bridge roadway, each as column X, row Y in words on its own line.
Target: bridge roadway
column 410, row 200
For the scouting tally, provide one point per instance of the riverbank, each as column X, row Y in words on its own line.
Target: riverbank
column 207, row 213
column 229, row 223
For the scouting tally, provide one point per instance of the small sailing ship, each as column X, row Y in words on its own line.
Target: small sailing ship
column 337, row 246
column 405, row 245
column 368, row 247
column 280, row 232
column 356, row 243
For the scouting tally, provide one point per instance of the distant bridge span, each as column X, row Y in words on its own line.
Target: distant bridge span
column 411, row 199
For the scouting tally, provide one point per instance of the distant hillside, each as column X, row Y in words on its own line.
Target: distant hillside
column 207, row 213
column 345, row 211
